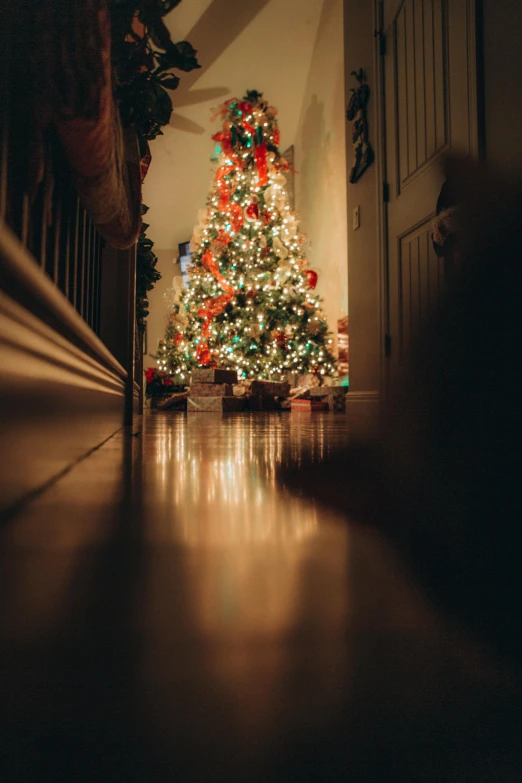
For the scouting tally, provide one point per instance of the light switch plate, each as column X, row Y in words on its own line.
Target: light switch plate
column 356, row 218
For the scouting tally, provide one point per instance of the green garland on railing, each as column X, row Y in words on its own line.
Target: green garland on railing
column 146, row 273
column 144, row 57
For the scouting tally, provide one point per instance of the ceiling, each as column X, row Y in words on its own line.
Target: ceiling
column 265, row 45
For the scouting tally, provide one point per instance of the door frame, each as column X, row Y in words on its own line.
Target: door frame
column 476, row 140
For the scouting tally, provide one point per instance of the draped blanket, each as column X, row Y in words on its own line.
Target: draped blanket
column 73, row 94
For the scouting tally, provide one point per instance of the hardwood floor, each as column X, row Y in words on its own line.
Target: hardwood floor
column 170, row 612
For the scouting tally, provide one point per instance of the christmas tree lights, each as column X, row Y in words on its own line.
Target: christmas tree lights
column 250, row 303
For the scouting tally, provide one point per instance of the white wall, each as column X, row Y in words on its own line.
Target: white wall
column 364, row 278
column 159, row 303
column 320, row 150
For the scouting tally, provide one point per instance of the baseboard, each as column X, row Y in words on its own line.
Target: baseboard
column 62, row 392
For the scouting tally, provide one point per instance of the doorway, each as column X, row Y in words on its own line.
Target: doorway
column 430, row 106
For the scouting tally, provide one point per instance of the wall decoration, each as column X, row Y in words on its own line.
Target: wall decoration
column 356, row 114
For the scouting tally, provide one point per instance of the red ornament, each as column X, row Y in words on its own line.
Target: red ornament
column 252, row 212
column 265, row 251
column 311, row 277
column 267, row 217
column 280, row 338
column 251, row 294
column 178, row 338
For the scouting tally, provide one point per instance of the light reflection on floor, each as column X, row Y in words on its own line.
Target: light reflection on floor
column 263, row 574
column 215, row 476
column 216, row 480
column 171, row 600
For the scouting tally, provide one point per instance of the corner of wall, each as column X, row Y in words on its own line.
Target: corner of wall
column 364, row 265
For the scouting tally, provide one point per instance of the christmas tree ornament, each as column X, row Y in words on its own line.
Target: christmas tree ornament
column 311, row 278
column 252, row 212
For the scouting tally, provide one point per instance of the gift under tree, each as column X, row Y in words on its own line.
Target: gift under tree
column 250, row 303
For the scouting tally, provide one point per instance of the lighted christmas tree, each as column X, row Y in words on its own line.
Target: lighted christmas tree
column 250, row 303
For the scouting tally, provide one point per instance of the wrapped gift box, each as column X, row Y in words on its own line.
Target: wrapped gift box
column 210, row 404
column 337, row 403
column 213, row 375
column 260, row 402
column 234, row 403
column 265, row 388
column 210, row 390
column 308, row 405
column 327, row 391
column 174, row 402
column 204, row 404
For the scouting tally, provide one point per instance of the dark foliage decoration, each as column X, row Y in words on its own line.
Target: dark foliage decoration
column 144, row 58
column 146, row 273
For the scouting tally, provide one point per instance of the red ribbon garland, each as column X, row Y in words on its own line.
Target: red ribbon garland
column 223, row 187
column 212, row 307
column 248, row 127
column 262, row 166
column 225, row 139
